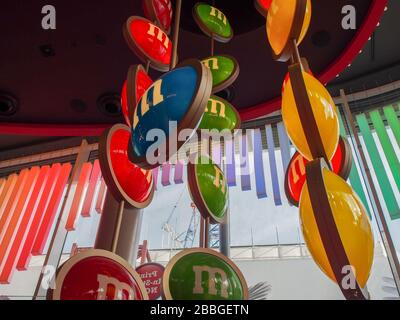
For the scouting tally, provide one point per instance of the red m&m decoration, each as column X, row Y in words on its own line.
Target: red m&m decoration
column 296, row 172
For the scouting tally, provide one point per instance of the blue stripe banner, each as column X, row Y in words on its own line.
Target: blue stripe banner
column 230, row 163
column 259, row 165
column 244, row 164
column 272, row 164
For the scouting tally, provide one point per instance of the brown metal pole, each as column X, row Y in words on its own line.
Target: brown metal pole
column 201, row 240
column 212, row 45
column 117, row 228
column 175, row 38
column 207, row 233
column 377, row 208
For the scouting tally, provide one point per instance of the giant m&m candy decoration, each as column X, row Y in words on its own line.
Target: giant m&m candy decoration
column 309, row 114
column 336, row 229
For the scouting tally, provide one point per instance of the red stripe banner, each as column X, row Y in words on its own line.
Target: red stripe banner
column 101, row 197
column 38, row 214
column 25, row 225
column 51, row 210
column 16, row 217
column 79, row 196
column 94, row 179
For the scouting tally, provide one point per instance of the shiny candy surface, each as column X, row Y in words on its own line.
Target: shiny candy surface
column 160, row 11
column 219, row 115
column 324, row 111
column 149, row 42
column 224, row 70
column 213, row 22
column 296, row 174
column 102, row 277
column 198, row 274
column 168, row 99
column 352, row 223
column 280, row 22
column 212, row 187
column 135, row 182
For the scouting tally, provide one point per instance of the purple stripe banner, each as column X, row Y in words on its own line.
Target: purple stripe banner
column 272, row 164
column 165, row 175
column 285, row 146
column 259, row 165
column 216, row 153
column 244, row 164
column 178, row 174
column 230, row 162
column 155, row 177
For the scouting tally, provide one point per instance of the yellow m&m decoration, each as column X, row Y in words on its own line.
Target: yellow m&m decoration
column 324, row 112
column 283, row 24
column 352, row 224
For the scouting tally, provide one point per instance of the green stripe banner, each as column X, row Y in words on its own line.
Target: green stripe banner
column 393, row 121
column 387, row 146
column 383, row 180
column 354, row 176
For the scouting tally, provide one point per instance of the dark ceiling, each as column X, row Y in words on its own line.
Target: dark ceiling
column 57, row 76
column 89, row 58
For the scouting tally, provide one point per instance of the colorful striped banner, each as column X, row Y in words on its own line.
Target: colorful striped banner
column 94, row 180
column 12, row 202
column 354, row 177
column 230, row 163
column 383, row 180
column 16, row 216
column 51, row 210
column 101, row 196
column 178, row 172
column 7, row 192
column 393, row 121
column 165, row 174
column 284, row 143
column 79, row 196
column 387, row 146
column 25, row 256
column 25, row 226
column 216, row 152
column 261, row 189
column 272, row 164
column 155, row 177
column 244, row 164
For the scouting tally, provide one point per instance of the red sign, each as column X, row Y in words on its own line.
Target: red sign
column 148, row 42
column 137, row 83
column 296, row 172
column 126, row 181
column 151, row 275
column 98, row 275
column 160, row 11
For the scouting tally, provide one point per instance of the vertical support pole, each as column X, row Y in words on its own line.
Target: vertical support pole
column 129, row 234
column 117, row 227
column 201, row 240
column 175, row 38
column 207, row 233
column 225, row 236
column 373, row 195
column 60, row 233
column 224, row 232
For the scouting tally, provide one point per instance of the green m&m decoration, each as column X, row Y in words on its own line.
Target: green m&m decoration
column 203, row 274
column 212, row 22
column 208, row 188
column 224, row 69
column 220, row 115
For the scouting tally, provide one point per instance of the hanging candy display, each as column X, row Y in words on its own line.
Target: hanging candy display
column 334, row 221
